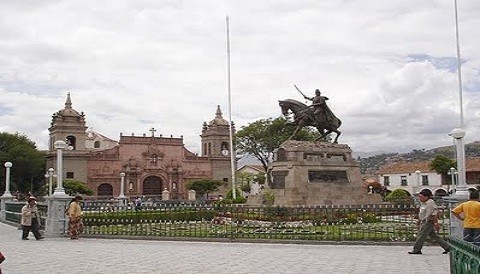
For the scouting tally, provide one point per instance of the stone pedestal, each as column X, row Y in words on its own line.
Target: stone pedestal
column 317, row 173
column 57, row 221
column 456, row 225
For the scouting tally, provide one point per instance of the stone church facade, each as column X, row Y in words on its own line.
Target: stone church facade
column 151, row 163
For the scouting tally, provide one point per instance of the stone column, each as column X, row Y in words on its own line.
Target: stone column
column 59, row 190
column 122, row 199
column 7, row 196
column 7, row 192
column 57, row 221
column 456, row 225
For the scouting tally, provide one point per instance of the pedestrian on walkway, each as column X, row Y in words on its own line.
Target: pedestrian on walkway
column 469, row 213
column 75, row 223
column 30, row 219
column 2, row 258
column 428, row 223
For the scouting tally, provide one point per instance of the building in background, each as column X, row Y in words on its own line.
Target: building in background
column 151, row 163
column 415, row 176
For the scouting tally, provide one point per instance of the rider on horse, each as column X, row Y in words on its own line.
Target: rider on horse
column 321, row 111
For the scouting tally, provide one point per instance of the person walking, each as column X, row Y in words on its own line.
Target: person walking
column 469, row 213
column 75, row 223
column 428, row 222
column 30, row 219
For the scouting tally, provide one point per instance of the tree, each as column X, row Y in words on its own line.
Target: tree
column 27, row 172
column 262, row 137
column 73, row 187
column 442, row 164
column 204, row 186
column 399, row 196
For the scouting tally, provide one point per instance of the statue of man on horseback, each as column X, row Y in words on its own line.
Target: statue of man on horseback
column 318, row 114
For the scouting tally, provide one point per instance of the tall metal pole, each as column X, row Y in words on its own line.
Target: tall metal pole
column 232, row 150
column 459, row 133
column 459, row 68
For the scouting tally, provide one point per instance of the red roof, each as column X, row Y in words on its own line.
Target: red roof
column 405, row 167
column 472, row 164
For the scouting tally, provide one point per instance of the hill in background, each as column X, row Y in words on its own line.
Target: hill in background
column 369, row 165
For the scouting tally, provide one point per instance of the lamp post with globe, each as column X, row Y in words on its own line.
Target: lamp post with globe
column 7, row 192
column 59, row 146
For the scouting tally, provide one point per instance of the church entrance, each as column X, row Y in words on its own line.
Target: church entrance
column 152, row 185
column 105, row 190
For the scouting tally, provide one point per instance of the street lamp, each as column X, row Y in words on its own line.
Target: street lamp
column 453, row 172
column 59, row 146
column 122, row 186
column 49, row 175
column 7, row 192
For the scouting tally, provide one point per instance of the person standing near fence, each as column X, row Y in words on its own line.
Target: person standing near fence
column 30, row 219
column 75, row 223
column 428, row 222
column 469, row 213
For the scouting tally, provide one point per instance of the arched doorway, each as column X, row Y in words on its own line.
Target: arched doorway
column 440, row 192
column 152, row 185
column 105, row 190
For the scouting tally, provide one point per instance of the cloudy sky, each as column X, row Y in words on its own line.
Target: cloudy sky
column 388, row 67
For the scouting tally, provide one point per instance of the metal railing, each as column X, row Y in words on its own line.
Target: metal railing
column 383, row 222
column 464, row 257
column 13, row 212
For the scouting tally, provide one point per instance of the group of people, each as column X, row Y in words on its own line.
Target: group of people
column 31, row 220
column 428, row 215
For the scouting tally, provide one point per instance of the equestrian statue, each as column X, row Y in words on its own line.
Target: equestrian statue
column 318, row 115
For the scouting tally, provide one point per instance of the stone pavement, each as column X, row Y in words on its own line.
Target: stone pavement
column 89, row 255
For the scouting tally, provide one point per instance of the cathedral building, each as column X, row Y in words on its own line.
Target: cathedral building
column 151, row 163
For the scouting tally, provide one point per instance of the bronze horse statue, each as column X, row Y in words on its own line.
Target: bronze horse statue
column 303, row 116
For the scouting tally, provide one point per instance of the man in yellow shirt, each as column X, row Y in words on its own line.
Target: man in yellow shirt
column 469, row 213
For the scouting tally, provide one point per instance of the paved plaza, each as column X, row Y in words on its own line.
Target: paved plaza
column 89, row 255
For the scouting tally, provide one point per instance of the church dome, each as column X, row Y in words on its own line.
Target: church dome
column 219, row 121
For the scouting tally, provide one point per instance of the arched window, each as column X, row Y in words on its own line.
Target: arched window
column 71, row 141
column 96, row 144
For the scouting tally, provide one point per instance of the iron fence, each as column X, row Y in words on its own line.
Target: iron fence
column 464, row 257
column 382, row 222
column 13, row 212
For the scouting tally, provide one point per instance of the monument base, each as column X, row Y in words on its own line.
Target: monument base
column 317, row 173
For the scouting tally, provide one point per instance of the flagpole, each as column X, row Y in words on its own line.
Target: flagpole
column 232, row 150
column 459, row 133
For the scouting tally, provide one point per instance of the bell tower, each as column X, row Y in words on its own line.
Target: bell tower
column 216, row 136
column 68, row 125
column 216, row 146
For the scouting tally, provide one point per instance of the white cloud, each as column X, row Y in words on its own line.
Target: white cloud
column 130, row 65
